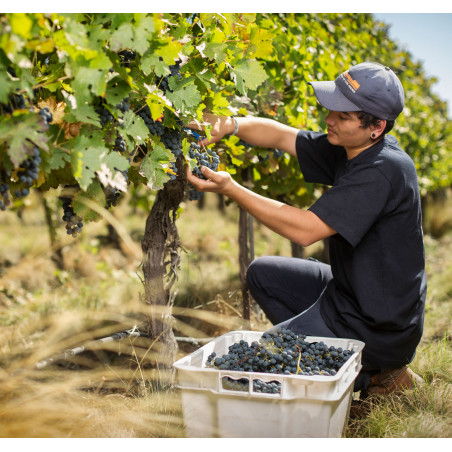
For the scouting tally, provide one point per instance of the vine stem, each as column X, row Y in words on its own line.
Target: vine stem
column 49, row 82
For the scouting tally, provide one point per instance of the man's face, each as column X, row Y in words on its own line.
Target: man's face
column 344, row 130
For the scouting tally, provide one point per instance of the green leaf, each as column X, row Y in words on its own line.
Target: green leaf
column 144, row 30
column 215, row 51
column 248, row 74
column 129, row 36
column 135, row 127
column 5, row 86
column 184, row 97
column 123, row 37
column 84, row 113
column 57, row 159
column 152, row 61
column 220, row 105
column 89, row 80
column 154, row 166
column 117, row 90
column 21, row 133
column 86, row 157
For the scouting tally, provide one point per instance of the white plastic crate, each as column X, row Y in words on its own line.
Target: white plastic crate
column 307, row 406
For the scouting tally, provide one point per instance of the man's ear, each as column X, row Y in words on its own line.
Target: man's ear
column 380, row 127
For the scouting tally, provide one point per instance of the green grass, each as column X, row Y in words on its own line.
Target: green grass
column 110, row 392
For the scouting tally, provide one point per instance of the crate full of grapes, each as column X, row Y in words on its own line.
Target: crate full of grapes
column 275, row 384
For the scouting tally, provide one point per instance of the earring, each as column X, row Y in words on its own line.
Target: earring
column 373, row 135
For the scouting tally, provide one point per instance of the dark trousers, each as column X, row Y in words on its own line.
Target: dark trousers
column 288, row 291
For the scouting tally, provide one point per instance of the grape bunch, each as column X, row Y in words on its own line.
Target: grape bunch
column 163, row 82
column 112, row 196
column 74, row 223
column 242, row 384
column 277, row 153
column 194, row 195
column 124, row 105
column 4, row 193
column 127, row 56
column 282, row 352
column 46, row 115
column 27, row 174
column 104, row 115
column 205, row 157
column 120, row 144
column 174, row 170
column 172, row 140
column 155, row 127
column 16, row 101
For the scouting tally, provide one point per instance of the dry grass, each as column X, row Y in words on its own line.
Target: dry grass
column 114, row 391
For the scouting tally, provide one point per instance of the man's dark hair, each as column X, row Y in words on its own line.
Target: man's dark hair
column 367, row 120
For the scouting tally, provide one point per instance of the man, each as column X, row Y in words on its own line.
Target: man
column 375, row 288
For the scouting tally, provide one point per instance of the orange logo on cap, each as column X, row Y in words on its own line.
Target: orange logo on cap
column 354, row 84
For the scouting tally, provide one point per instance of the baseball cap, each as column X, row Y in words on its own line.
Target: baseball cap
column 369, row 87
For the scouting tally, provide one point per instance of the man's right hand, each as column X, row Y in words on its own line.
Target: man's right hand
column 221, row 126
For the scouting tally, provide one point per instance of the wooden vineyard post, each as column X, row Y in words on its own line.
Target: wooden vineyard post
column 246, row 249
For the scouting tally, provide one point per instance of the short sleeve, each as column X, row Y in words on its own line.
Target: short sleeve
column 317, row 157
column 354, row 203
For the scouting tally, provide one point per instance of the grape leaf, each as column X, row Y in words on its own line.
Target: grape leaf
column 123, row 37
column 216, row 51
column 5, row 85
column 248, row 74
column 117, row 90
column 21, row 24
column 184, row 97
column 21, row 133
column 143, row 30
column 58, row 159
column 169, row 50
column 89, row 80
column 86, row 157
column 151, row 60
column 83, row 113
column 135, row 127
column 260, row 45
column 153, row 166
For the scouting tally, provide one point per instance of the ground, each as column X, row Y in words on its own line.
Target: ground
column 115, row 391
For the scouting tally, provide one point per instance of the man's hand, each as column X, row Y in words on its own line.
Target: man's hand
column 221, row 126
column 217, row 182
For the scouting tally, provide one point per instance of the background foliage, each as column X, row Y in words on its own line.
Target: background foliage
column 258, row 64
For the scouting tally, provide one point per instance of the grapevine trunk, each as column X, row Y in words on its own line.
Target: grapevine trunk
column 161, row 256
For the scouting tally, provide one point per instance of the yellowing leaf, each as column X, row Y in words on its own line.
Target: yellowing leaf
column 261, row 42
column 21, row 25
column 170, row 50
column 45, row 46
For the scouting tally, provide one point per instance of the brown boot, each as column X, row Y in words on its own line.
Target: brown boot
column 393, row 381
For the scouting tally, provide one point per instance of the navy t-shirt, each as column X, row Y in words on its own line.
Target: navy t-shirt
column 377, row 257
